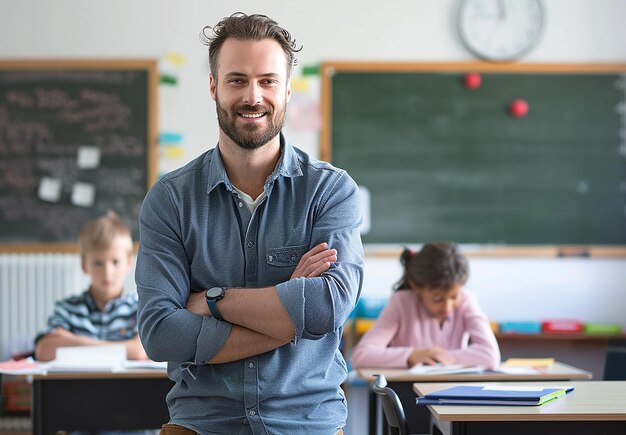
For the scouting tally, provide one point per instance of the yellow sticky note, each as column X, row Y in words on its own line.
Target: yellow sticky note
column 299, row 84
column 172, row 152
column 175, row 58
column 528, row 362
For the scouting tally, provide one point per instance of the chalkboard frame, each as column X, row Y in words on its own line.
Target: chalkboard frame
column 330, row 68
column 148, row 66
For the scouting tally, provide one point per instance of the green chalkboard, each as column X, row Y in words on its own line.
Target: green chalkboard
column 444, row 162
column 76, row 140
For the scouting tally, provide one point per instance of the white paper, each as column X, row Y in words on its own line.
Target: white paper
column 365, row 199
column 145, row 364
column 440, row 369
column 518, row 370
column 88, row 157
column 50, row 189
column 89, row 358
column 83, row 194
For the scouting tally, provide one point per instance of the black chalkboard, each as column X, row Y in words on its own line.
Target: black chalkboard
column 76, row 139
column 443, row 162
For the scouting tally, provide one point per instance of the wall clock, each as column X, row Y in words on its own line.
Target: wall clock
column 500, row 30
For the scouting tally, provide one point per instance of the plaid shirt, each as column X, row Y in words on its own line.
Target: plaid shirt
column 80, row 315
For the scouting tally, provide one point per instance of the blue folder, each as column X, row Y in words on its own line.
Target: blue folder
column 494, row 395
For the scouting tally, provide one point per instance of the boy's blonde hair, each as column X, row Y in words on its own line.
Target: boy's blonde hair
column 99, row 234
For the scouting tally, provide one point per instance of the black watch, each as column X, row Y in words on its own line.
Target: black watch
column 213, row 295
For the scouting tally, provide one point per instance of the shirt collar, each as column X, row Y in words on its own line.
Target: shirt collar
column 91, row 303
column 288, row 166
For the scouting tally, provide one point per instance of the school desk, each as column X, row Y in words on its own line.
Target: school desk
column 401, row 381
column 129, row 400
column 594, row 407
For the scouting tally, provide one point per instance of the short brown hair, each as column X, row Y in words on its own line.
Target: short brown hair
column 438, row 265
column 247, row 27
column 99, row 233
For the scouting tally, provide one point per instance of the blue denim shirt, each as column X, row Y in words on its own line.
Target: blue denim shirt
column 195, row 233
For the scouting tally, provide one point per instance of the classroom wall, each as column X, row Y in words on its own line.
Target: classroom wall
column 400, row 30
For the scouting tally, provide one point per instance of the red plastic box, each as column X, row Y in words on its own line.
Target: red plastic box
column 562, row 325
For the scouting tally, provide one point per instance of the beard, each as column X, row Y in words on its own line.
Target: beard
column 250, row 136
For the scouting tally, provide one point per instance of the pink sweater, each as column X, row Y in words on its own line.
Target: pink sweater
column 406, row 324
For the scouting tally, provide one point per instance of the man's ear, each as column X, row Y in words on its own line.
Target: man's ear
column 212, row 85
column 83, row 266
column 288, row 90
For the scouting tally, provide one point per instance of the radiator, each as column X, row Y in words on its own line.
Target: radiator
column 29, row 286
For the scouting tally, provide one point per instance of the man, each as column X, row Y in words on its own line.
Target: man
column 250, row 259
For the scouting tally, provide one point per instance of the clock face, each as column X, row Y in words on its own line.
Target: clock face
column 500, row 30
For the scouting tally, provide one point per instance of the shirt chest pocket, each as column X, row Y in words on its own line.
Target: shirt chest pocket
column 285, row 257
column 282, row 261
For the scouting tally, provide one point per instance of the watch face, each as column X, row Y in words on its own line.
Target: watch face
column 500, row 30
column 214, row 292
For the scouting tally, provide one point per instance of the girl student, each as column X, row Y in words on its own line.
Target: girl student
column 430, row 318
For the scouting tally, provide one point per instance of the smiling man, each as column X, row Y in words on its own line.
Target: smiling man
column 250, row 258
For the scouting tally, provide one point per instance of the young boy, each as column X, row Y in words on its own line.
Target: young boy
column 104, row 313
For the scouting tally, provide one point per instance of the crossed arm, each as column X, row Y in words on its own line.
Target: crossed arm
column 259, row 321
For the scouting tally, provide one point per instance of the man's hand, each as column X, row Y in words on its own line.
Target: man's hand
column 315, row 261
column 429, row 356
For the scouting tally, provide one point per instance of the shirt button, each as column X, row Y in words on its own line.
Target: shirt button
column 240, row 204
column 270, row 258
column 250, row 244
column 293, row 258
column 251, row 365
column 252, row 412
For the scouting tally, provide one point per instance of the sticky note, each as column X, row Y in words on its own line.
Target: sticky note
column 88, row 157
column 168, row 137
column 83, row 194
column 299, row 84
column 311, row 70
column 175, row 58
column 168, row 79
column 50, row 189
column 173, row 152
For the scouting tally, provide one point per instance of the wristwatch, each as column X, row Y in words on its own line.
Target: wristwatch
column 213, row 295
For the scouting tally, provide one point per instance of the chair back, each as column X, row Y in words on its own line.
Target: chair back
column 615, row 364
column 392, row 407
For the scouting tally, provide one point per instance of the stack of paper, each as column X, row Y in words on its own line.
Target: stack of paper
column 494, row 395
column 88, row 358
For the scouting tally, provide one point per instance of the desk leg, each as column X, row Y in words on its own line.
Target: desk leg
column 36, row 408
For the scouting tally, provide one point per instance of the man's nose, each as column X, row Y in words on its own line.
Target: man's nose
column 252, row 96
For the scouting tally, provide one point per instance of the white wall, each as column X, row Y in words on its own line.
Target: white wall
column 404, row 30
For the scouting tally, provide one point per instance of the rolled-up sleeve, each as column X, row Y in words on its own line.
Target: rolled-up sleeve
column 321, row 305
column 168, row 331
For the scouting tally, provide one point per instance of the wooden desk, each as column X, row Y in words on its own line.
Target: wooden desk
column 592, row 408
column 401, row 381
column 129, row 400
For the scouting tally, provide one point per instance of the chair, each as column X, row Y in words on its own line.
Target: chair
column 615, row 364
column 392, row 407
